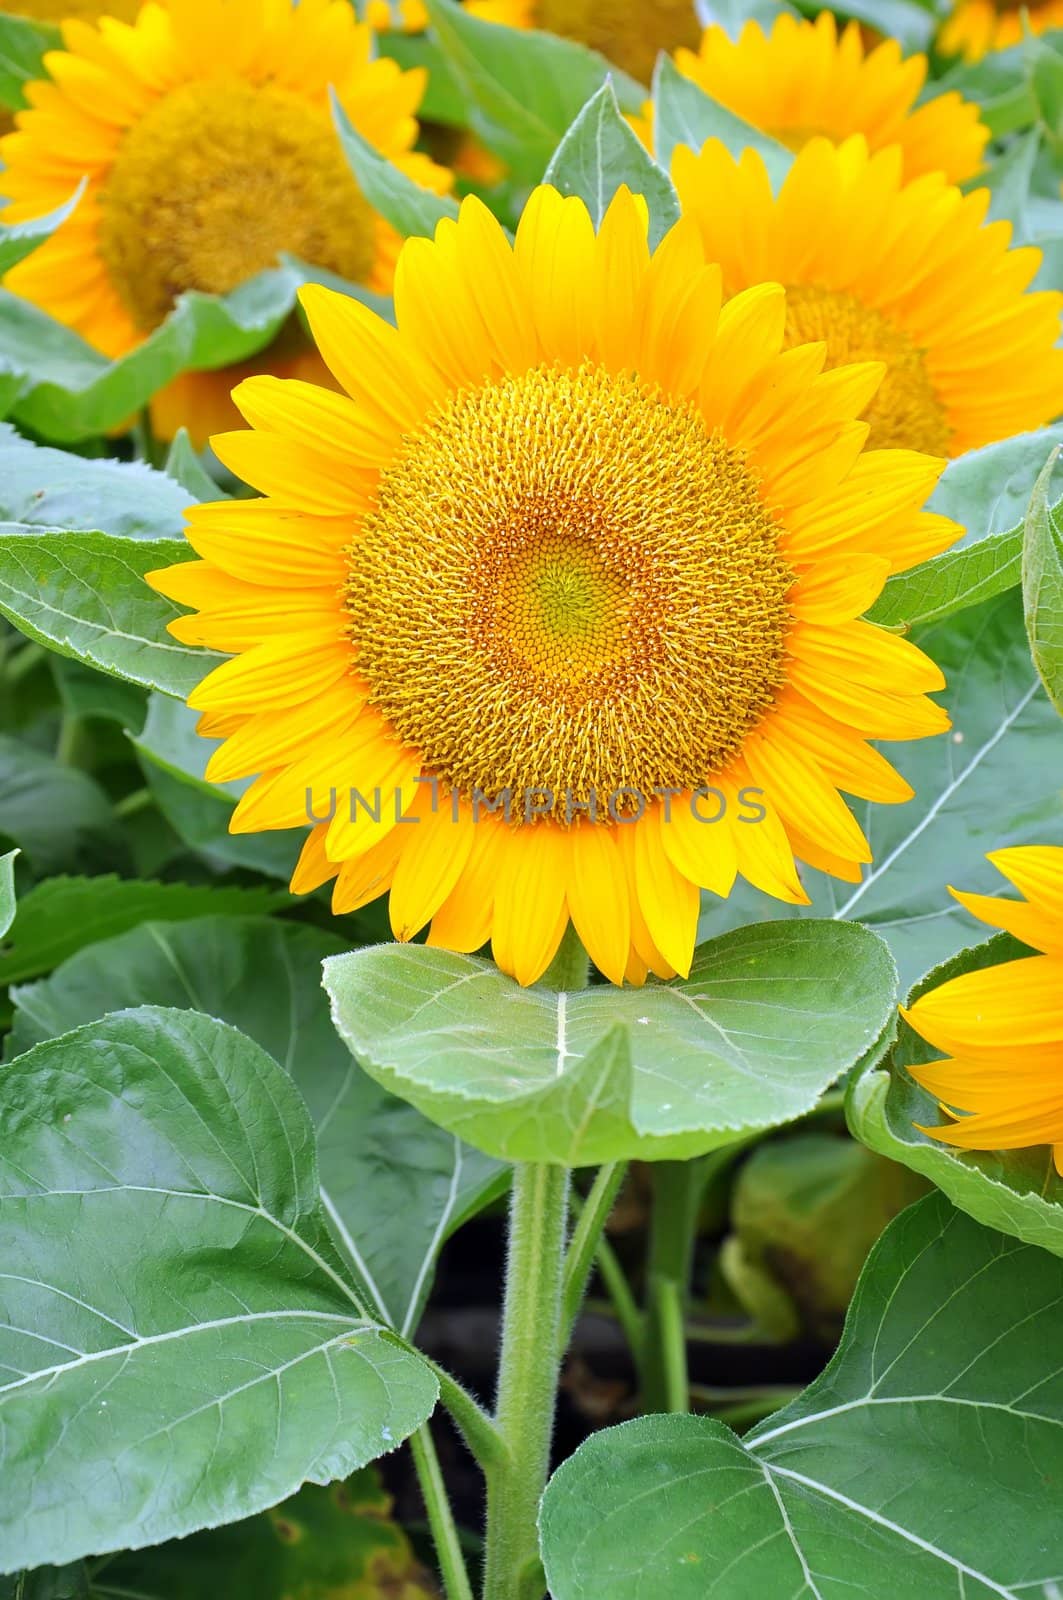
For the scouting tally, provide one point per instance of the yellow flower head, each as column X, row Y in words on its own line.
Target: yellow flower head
column 976, row 27
column 411, row 16
column 910, row 275
column 1002, row 1028
column 204, row 129
column 804, row 79
column 574, row 526
column 65, row 10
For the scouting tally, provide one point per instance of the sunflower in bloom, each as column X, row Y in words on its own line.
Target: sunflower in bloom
column 629, row 33
column 804, row 78
column 975, row 27
column 204, row 129
column 1002, row 1028
column 570, row 576
column 64, row 10
column 907, row 274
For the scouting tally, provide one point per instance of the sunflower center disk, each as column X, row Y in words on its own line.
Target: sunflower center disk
column 214, row 182
column 567, row 584
column 906, row 412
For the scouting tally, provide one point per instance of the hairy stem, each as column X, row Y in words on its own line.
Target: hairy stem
column 456, row 1585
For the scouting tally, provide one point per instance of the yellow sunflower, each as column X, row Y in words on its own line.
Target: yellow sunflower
column 975, row 27
column 1002, row 1028
column 804, row 78
column 579, row 544
column 411, row 16
column 204, row 129
column 65, row 10
column 908, row 274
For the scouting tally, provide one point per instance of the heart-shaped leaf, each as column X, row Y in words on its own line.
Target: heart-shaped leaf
column 179, row 1342
column 599, row 153
column 925, row 1462
column 394, row 1186
column 769, row 1017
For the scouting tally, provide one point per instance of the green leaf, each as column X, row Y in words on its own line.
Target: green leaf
column 1009, row 178
column 339, row 1543
column 1017, row 1191
column 685, row 114
column 48, row 1583
column 1042, row 585
column 442, row 100
column 84, row 692
column 70, row 391
column 59, row 816
column 768, row 1018
column 184, row 466
column 987, row 492
column 523, row 88
column 179, row 1345
column 22, row 46
column 47, row 488
column 411, row 210
column 20, row 239
column 60, row 916
column 925, row 1462
column 174, row 757
column 394, row 1186
column 84, row 595
column 7, row 891
column 599, row 153
column 994, row 780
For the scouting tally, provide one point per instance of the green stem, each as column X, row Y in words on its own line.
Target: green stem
column 593, row 1214
column 527, row 1384
column 456, row 1585
column 678, row 1186
column 471, row 1420
column 622, row 1302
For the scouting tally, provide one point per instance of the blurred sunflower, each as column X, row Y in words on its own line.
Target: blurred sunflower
column 804, row 79
column 975, row 27
column 577, row 533
column 1002, row 1028
column 910, row 275
column 629, row 33
column 204, row 129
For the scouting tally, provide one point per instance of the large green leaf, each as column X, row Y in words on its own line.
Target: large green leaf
column 20, row 239
column 60, row 916
column 994, row 781
column 768, row 1018
column 394, row 1185
column 84, row 595
column 409, row 208
column 335, row 1543
column 599, row 153
column 7, row 891
column 22, row 45
column 179, row 1344
column 1018, row 1191
column 522, row 88
column 1042, row 585
column 70, row 391
column 47, row 488
column 924, row 1463
column 987, row 492
column 59, row 816
column 684, row 114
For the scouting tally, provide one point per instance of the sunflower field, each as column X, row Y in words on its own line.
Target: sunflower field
column 531, row 800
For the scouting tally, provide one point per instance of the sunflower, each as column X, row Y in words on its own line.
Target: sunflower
column 65, row 10
column 975, row 27
column 1002, row 1028
column 907, row 274
column 204, row 129
column 804, row 79
column 554, row 613
column 411, row 16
